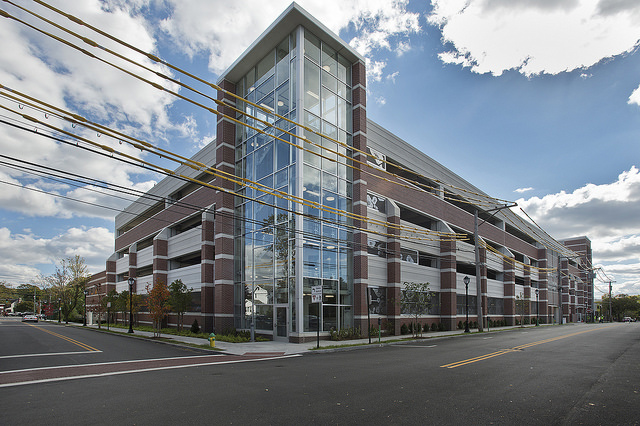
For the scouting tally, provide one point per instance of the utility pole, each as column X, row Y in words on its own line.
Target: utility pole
column 610, row 316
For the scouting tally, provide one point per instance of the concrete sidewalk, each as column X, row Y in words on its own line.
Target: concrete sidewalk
column 286, row 348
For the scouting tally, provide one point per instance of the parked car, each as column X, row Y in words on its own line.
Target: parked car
column 627, row 319
column 30, row 318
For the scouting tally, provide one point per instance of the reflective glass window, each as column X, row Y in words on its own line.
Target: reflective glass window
column 329, row 317
column 264, row 161
column 311, row 87
column 282, row 102
column 263, row 213
column 311, row 260
column 330, row 158
column 263, row 262
column 282, row 291
column 311, row 149
column 311, row 183
column 344, row 70
column 312, row 47
column 249, row 173
column 343, row 115
column 265, row 88
column 329, row 182
column 265, row 65
column 329, row 106
column 250, row 80
column 283, row 153
column 330, row 264
column 329, row 61
column 263, row 312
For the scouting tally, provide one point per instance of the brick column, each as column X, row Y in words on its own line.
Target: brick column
column 483, row 284
column 529, row 295
column 110, row 269
column 160, row 259
column 448, row 285
column 572, row 300
column 564, row 283
column 394, row 279
column 224, row 260
column 207, row 260
column 543, row 285
column 360, row 257
column 133, row 266
column 509, row 291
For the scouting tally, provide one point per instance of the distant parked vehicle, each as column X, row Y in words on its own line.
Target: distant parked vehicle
column 627, row 319
column 30, row 318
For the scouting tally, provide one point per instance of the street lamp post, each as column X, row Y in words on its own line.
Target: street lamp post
column 59, row 311
column 466, row 303
column 131, row 283
column 84, row 321
column 537, row 309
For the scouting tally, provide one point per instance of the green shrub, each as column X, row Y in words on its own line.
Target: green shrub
column 404, row 329
column 389, row 328
column 434, row 327
column 441, row 327
column 195, row 327
column 426, row 328
column 345, row 333
column 373, row 331
column 460, row 325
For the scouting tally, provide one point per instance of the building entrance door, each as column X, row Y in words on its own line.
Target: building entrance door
column 281, row 322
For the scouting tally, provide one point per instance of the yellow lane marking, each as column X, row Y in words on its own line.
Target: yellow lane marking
column 68, row 339
column 516, row 349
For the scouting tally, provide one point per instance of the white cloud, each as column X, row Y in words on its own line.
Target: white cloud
column 61, row 76
column 607, row 214
column 534, row 37
column 199, row 26
column 523, row 190
column 634, row 98
column 374, row 70
column 392, row 77
column 23, row 253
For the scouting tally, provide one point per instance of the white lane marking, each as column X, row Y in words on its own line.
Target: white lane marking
column 417, row 346
column 95, row 364
column 143, row 370
column 48, row 354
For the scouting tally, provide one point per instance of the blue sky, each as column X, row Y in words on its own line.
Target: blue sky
column 532, row 101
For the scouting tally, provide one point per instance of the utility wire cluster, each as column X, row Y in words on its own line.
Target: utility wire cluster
column 475, row 199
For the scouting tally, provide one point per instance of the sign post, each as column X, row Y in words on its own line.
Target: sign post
column 316, row 297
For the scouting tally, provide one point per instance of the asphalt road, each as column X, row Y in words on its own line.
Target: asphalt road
column 574, row 374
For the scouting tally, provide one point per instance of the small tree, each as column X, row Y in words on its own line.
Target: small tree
column 180, row 300
column 416, row 301
column 122, row 305
column 521, row 304
column 159, row 306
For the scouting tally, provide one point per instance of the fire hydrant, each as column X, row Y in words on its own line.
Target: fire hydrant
column 212, row 340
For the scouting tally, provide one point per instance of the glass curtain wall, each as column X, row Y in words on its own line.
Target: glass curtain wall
column 264, row 231
column 266, row 241
column 327, row 256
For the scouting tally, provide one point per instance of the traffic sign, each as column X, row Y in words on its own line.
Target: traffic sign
column 316, row 294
